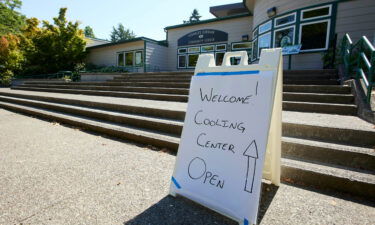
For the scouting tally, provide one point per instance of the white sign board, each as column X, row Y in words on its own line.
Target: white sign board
column 223, row 144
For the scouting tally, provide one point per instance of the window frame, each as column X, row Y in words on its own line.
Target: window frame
column 190, row 52
column 135, row 58
column 256, row 57
column 259, row 27
column 123, row 58
column 317, row 17
column 285, row 24
column 178, row 51
column 178, row 61
column 187, row 62
column 284, row 28
column 213, row 48
column 270, row 33
column 237, row 49
column 221, row 50
column 327, row 35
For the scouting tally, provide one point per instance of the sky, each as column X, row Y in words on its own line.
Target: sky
column 144, row 17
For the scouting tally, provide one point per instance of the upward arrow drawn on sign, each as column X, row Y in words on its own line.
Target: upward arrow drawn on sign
column 251, row 153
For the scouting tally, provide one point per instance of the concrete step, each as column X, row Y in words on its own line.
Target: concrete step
column 317, row 97
column 324, row 71
column 329, row 89
column 144, row 110
column 152, row 96
column 311, row 82
column 345, row 136
column 323, row 176
column 330, row 153
column 288, row 96
column 178, row 91
column 167, row 80
column 330, row 108
column 119, row 131
column 161, row 125
column 328, row 177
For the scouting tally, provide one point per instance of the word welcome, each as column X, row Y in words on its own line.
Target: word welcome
column 213, row 97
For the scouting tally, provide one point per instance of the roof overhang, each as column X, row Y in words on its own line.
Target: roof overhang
column 249, row 4
column 228, row 10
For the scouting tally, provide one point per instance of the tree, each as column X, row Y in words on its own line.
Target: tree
column 121, row 33
column 11, row 58
column 194, row 17
column 54, row 47
column 89, row 32
column 11, row 21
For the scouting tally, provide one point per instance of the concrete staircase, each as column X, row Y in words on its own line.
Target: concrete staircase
column 324, row 144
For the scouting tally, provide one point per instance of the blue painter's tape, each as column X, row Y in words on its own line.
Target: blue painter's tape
column 176, row 183
column 245, row 222
column 249, row 72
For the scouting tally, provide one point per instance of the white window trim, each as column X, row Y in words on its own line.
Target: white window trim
column 264, row 25
column 123, row 58
column 284, row 28
column 327, row 36
column 318, row 17
column 256, row 29
column 178, row 61
column 221, row 50
column 281, row 17
column 258, row 41
column 251, row 45
column 256, row 57
column 213, row 46
column 216, row 57
column 187, row 61
column 178, row 51
column 135, row 58
column 188, row 49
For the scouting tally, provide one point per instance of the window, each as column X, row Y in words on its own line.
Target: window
column 138, row 58
column 222, row 47
column 264, row 41
column 255, row 33
column 265, row 27
column 192, row 60
column 317, row 12
column 314, row 35
column 193, row 49
column 219, row 56
column 181, row 61
column 255, row 50
column 208, row 48
column 182, row 51
column 120, row 59
column 285, row 20
column 283, row 37
column 129, row 58
column 241, row 45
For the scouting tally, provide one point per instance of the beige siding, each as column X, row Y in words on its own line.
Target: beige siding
column 106, row 56
column 234, row 27
column 304, row 61
column 356, row 18
column 156, row 57
column 282, row 6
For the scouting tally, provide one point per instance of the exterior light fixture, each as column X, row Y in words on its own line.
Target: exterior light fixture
column 271, row 12
column 245, row 37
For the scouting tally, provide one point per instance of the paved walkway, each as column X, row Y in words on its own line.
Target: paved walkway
column 52, row 174
column 339, row 121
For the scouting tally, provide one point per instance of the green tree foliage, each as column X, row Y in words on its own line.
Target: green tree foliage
column 89, row 32
column 11, row 21
column 195, row 17
column 120, row 33
column 11, row 58
column 54, row 47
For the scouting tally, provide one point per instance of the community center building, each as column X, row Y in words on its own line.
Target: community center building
column 252, row 25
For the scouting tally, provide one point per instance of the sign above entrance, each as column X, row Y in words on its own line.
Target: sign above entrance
column 291, row 50
column 203, row 37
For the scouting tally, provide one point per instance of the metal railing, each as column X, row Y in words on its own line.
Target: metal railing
column 359, row 57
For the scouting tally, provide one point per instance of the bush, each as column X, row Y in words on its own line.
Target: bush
column 6, row 78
